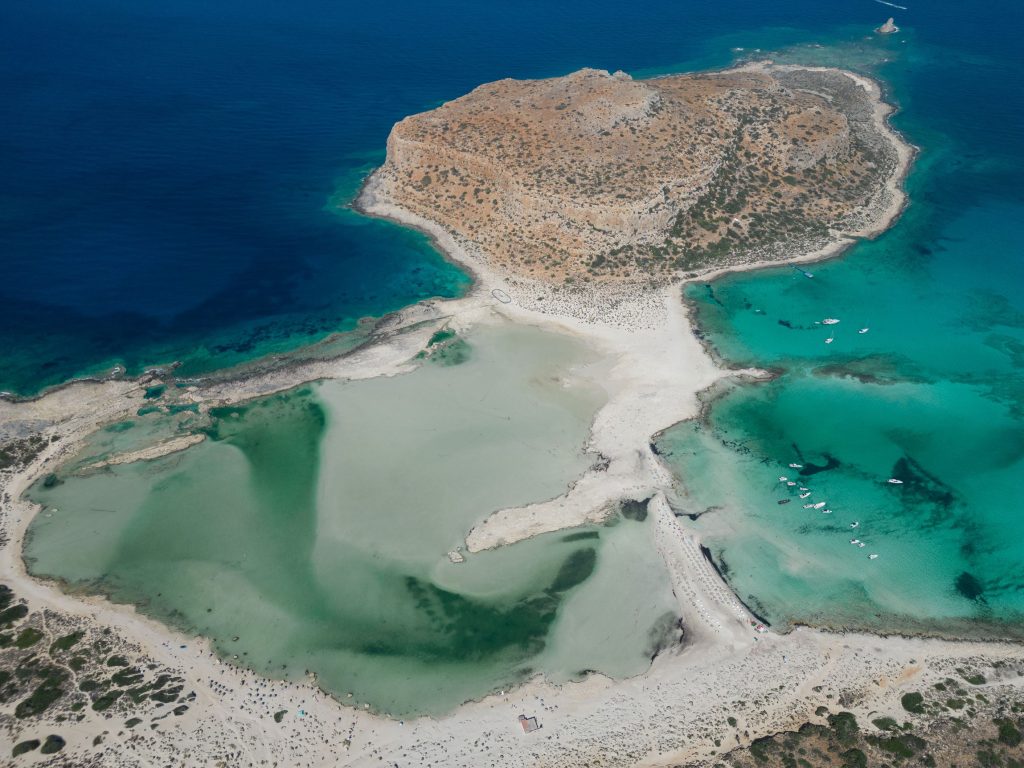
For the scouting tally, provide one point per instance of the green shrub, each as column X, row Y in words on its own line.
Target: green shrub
column 844, row 724
column 25, row 746
column 52, row 744
column 913, row 702
column 1008, row 733
column 28, row 637
column 895, row 746
column 106, row 700
column 127, row 676
column 13, row 614
column 65, row 642
column 40, row 699
column 759, row 749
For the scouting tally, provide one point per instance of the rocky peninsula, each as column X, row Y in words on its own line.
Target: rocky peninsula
column 598, row 178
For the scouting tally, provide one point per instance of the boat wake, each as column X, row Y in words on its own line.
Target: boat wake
column 892, row 5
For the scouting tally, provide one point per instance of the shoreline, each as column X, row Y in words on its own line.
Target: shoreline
column 604, row 721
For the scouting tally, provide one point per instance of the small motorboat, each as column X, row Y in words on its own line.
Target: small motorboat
column 829, row 321
column 790, row 483
column 855, row 541
column 830, row 339
column 796, row 466
column 804, row 489
column 863, row 330
column 826, row 511
column 855, row 524
column 783, row 479
column 784, row 501
column 861, row 544
column 894, row 481
column 805, row 495
column 819, row 505
column 872, row 557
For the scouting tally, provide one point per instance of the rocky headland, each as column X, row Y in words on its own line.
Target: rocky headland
column 598, row 178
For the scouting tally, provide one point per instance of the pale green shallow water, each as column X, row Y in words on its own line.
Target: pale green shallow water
column 314, row 525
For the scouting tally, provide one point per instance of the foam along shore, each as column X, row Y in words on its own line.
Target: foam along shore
column 673, row 713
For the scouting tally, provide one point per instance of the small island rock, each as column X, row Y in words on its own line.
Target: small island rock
column 888, row 28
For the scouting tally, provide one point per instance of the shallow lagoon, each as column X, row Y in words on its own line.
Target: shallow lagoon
column 931, row 394
column 314, row 526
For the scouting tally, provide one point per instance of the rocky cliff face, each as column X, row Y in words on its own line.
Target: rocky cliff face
column 596, row 176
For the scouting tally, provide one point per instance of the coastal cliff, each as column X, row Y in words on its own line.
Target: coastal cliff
column 597, row 177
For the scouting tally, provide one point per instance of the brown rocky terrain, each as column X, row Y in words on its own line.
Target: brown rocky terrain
column 600, row 177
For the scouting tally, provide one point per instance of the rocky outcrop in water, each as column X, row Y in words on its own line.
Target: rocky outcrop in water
column 888, row 28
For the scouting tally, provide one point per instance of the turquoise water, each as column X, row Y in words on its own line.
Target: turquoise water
column 310, row 532
column 932, row 393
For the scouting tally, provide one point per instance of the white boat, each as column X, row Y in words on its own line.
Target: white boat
column 855, row 524
column 819, row 505
column 783, row 479
column 804, row 489
column 863, row 330
column 826, row 511
column 829, row 321
column 796, row 466
column 872, row 557
column 855, row 541
column 894, row 481
column 861, row 544
column 790, row 483
column 805, row 495
column 830, row 339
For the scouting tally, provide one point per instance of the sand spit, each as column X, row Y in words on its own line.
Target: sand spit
column 674, row 714
column 164, row 448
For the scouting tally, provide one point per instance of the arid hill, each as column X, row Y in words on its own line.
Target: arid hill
column 600, row 177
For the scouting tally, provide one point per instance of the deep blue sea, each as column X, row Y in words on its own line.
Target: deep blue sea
column 171, row 172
